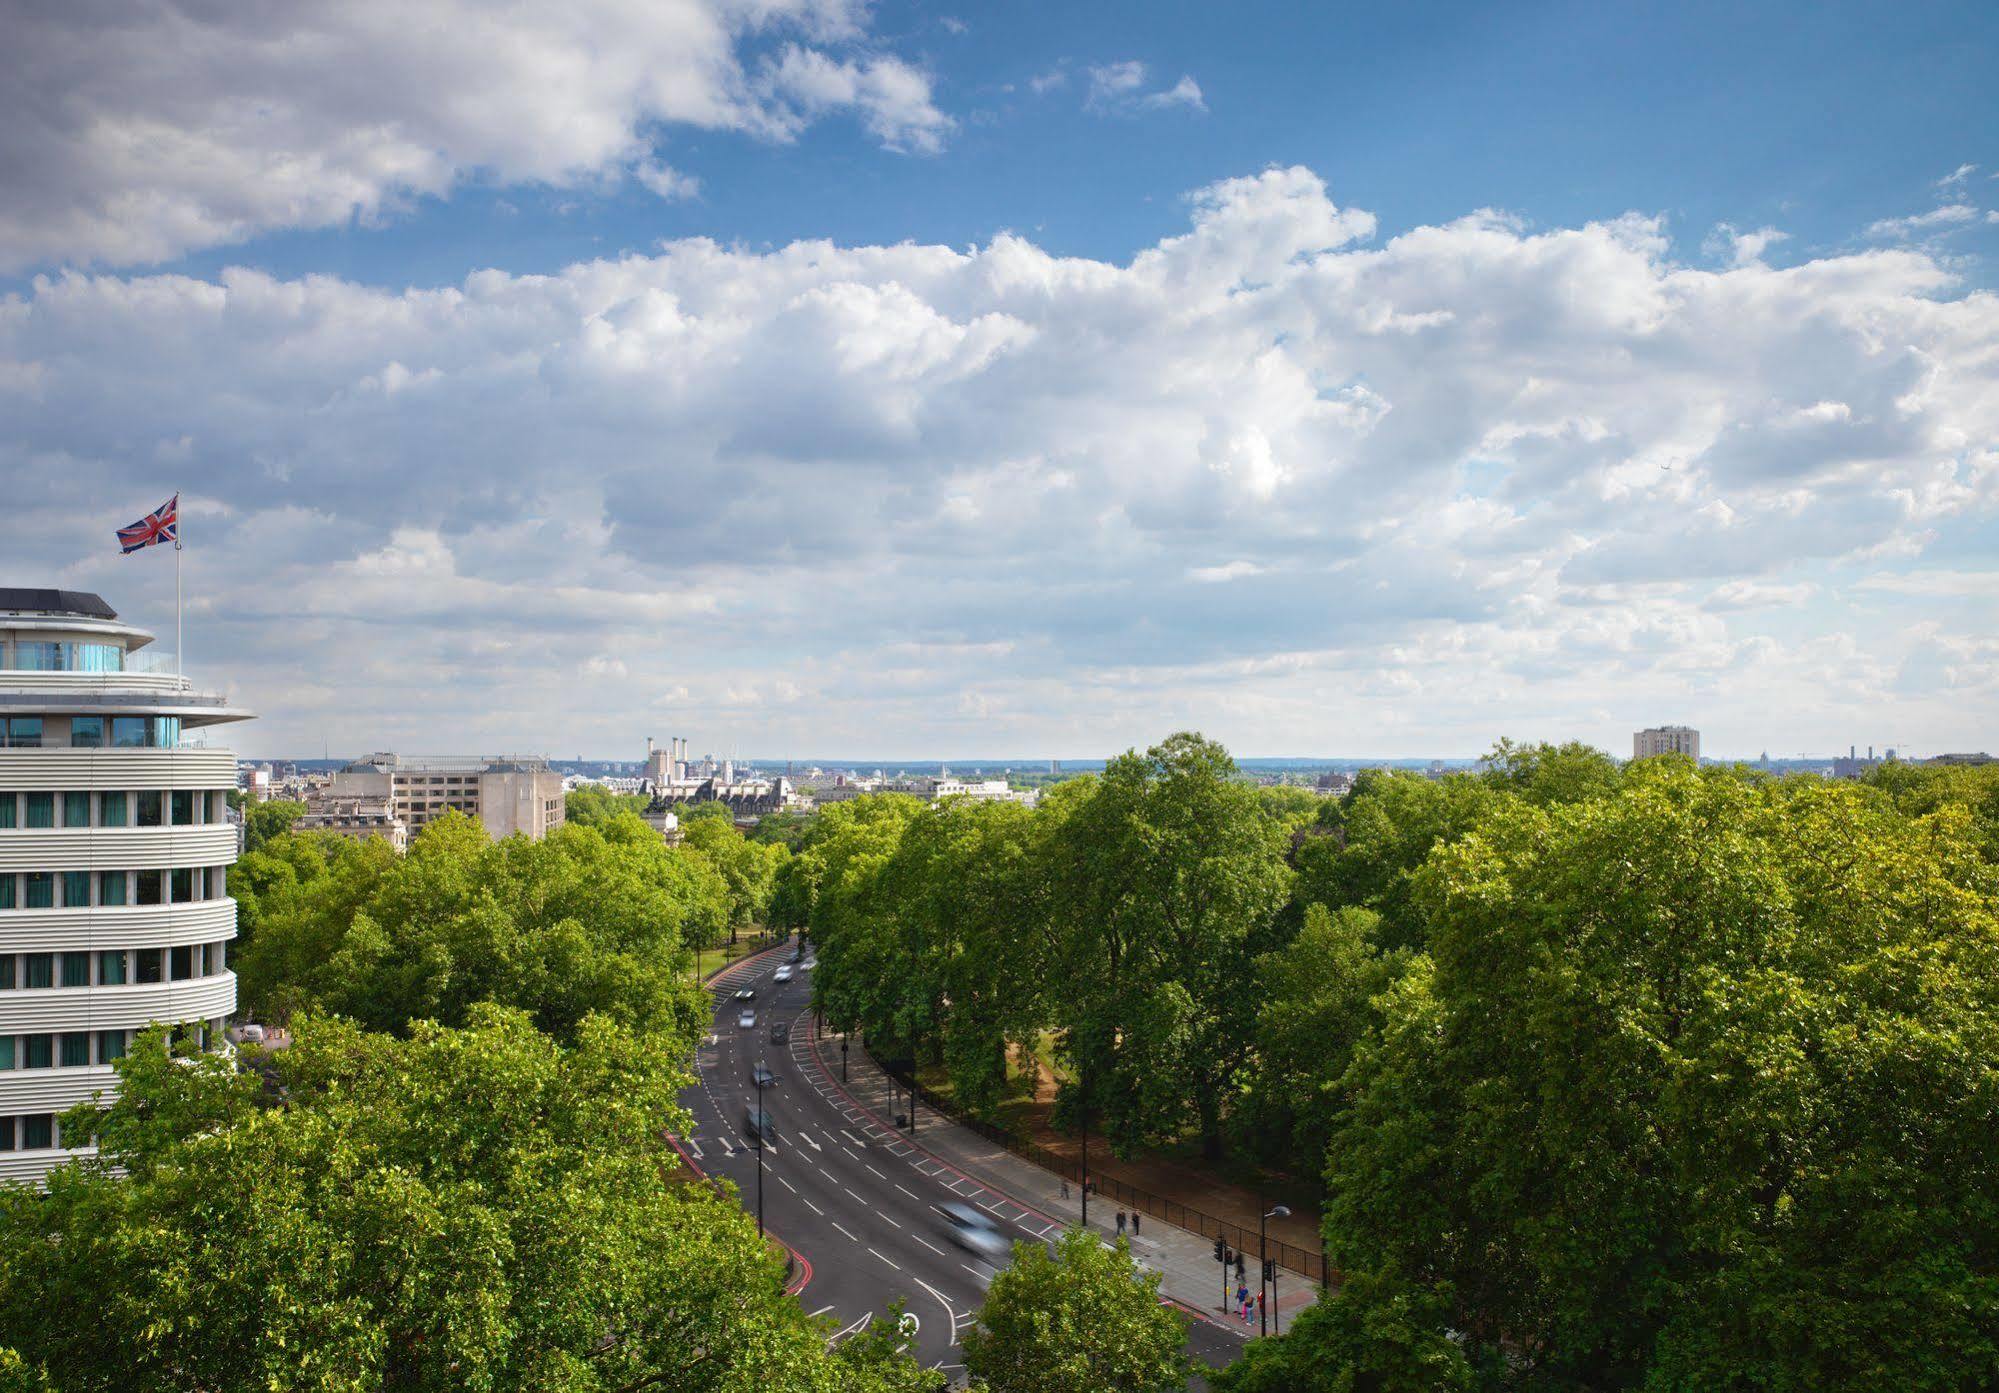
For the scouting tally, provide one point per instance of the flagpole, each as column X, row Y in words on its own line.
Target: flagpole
column 179, row 666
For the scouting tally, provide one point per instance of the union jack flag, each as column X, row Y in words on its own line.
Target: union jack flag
column 160, row 525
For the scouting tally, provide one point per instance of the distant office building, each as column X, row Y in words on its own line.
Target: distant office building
column 508, row 795
column 1979, row 758
column 944, row 786
column 115, row 845
column 1667, row 740
column 1334, row 783
column 362, row 817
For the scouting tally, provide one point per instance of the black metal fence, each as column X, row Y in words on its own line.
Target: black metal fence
column 1307, row 1262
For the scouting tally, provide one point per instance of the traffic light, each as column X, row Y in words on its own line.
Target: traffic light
column 1221, row 1253
column 1270, row 1269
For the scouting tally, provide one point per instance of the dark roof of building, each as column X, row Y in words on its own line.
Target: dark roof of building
column 55, row 602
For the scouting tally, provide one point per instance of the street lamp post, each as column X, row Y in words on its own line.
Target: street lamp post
column 761, row 1123
column 843, row 1061
column 1086, row 1165
column 1266, row 1280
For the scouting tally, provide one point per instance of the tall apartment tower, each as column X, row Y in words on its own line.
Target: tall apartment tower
column 1666, row 740
column 115, row 844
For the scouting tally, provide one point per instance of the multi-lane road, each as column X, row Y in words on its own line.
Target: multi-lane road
column 861, row 1206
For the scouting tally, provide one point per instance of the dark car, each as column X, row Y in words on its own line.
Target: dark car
column 747, row 994
column 763, row 1077
column 757, row 1125
column 780, row 1032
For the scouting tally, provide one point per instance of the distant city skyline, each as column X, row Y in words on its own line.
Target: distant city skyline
column 1032, row 377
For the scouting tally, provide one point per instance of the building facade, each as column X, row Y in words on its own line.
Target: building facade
column 508, row 794
column 115, row 848
column 1666, row 740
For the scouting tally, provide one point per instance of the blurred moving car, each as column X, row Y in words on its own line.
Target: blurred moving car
column 783, row 974
column 780, row 1032
column 763, row 1077
column 748, row 1020
column 747, row 994
column 975, row 1232
column 758, row 1127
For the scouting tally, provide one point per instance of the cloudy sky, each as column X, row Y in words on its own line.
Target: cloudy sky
column 813, row 378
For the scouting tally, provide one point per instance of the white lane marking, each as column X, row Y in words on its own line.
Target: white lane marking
column 836, row 1224
column 850, row 1328
column 885, row 1219
column 928, row 1244
column 818, row 1313
column 912, row 1194
column 695, row 1147
column 813, row 1207
column 878, row 1173
column 852, row 1138
column 806, row 1137
column 949, row 1314
column 895, row 1265
column 854, row 1197
column 786, row 1184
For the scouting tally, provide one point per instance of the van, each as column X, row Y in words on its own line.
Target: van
column 758, row 1127
column 780, row 1032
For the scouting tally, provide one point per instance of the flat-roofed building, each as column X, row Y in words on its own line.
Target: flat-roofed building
column 1666, row 740
column 115, row 847
column 509, row 794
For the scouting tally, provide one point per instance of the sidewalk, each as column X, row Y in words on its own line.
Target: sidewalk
column 1189, row 1274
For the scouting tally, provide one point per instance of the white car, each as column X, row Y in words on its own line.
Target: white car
column 783, row 974
column 748, row 1020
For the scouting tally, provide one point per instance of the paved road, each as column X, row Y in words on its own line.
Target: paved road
column 847, row 1193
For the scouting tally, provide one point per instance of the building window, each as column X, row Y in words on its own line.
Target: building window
column 8, row 804
column 111, row 967
column 76, row 969
column 111, row 809
column 38, row 1131
column 111, row 887
column 110, row 1045
column 76, row 889
column 6, row 891
column 94, row 657
column 76, row 1049
column 38, row 970
column 86, row 732
column 76, row 810
column 6, row 1134
column 183, row 807
column 24, row 732
column 150, row 887
column 149, row 963
column 6, row 974
column 149, row 808
column 128, row 732
column 6, row 1051
column 38, row 890
column 38, row 1051
column 41, row 809
column 163, row 732
column 183, row 885
column 183, row 962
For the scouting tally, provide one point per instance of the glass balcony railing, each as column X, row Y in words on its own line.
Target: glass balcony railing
column 90, row 733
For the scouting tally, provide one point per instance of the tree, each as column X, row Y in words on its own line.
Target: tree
column 588, row 919
column 1545, row 774
column 1169, row 878
column 748, row 868
column 460, row 1209
column 263, row 821
column 1318, row 994
column 1084, row 1320
column 1693, row 1089
column 592, row 805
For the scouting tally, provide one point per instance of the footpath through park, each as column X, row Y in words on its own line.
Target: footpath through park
column 1185, row 1261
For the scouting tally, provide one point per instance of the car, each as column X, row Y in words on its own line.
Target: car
column 808, row 964
column 747, row 1020
column 783, row 974
column 780, row 1032
column 975, row 1232
column 763, row 1076
column 747, row 994
column 758, row 1126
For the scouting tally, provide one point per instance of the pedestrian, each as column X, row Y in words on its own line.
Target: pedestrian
column 1065, row 1190
column 1239, row 1268
column 1120, row 1223
column 1134, row 1223
column 1242, row 1303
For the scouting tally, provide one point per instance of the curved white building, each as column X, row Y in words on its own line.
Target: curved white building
column 115, row 843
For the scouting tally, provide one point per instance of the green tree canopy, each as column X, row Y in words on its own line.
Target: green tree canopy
column 1696, row 1089
column 1084, row 1320
column 459, row 1209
